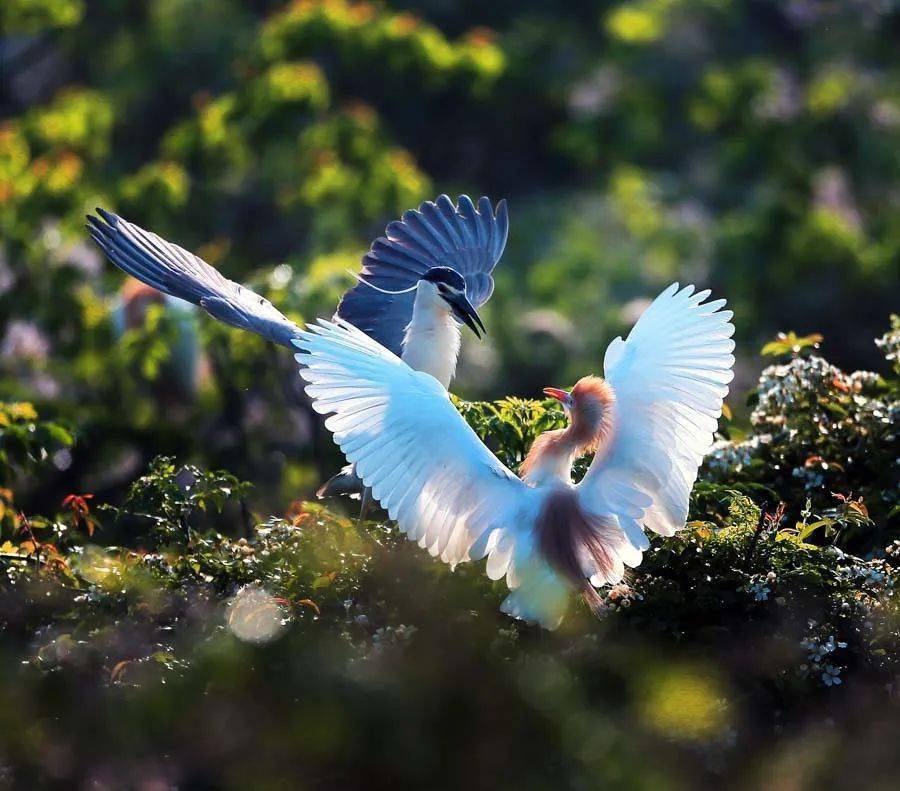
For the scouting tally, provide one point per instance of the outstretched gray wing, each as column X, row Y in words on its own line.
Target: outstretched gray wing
column 463, row 237
column 173, row 270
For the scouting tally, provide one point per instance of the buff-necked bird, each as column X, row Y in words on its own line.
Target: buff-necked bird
column 649, row 421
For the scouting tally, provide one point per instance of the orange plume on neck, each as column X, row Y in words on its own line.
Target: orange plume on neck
column 591, row 414
column 576, row 544
column 550, row 442
column 590, row 424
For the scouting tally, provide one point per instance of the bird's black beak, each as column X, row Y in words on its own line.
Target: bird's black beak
column 466, row 313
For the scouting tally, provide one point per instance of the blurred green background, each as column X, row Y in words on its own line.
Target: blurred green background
column 753, row 147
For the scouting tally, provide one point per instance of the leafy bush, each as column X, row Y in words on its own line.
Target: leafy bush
column 825, row 442
column 744, row 625
column 26, row 444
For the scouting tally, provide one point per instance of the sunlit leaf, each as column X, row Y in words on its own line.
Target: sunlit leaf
column 791, row 343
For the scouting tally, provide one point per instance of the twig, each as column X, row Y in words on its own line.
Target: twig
column 247, row 519
column 756, row 534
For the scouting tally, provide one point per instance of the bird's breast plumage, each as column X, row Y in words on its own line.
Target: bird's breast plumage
column 432, row 339
column 576, row 544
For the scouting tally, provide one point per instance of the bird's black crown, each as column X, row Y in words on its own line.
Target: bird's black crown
column 447, row 276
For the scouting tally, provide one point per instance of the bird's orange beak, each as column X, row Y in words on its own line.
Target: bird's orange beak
column 554, row 392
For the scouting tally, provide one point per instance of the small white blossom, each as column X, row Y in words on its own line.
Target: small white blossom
column 831, row 675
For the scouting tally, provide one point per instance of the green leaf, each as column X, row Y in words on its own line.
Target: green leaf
column 790, row 343
column 811, row 528
column 324, row 581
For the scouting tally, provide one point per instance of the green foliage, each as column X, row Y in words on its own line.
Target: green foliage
column 26, row 442
column 790, row 343
column 26, row 445
column 29, row 16
column 169, row 502
column 751, row 146
column 366, row 35
column 728, row 630
column 825, row 438
column 511, row 425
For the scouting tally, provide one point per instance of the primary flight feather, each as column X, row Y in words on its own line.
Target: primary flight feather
column 427, row 275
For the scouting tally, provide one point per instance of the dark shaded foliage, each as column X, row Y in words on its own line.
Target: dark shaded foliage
column 316, row 650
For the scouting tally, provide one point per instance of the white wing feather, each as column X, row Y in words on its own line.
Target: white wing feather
column 670, row 378
column 423, row 462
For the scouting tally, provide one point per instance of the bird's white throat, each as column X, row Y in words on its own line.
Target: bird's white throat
column 432, row 339
column 554, row 466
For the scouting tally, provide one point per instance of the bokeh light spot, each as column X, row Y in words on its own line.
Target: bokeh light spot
column 254, row 616
column 683, row 703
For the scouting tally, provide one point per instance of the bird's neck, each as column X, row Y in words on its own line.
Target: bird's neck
column 432, row 338
column 550, row 458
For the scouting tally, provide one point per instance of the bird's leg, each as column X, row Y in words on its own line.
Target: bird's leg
column 365, row 501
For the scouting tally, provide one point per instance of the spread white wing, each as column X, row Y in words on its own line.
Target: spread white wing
column 423, row 462
column 670, row 378
column 449, row 493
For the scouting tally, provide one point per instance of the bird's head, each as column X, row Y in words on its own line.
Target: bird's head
column 137, row 297
column 448, row 285
column 588, row 406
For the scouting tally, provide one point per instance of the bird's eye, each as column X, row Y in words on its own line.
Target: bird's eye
column 442, row 288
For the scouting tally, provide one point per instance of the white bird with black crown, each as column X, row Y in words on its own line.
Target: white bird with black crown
column 419, row 283
column 649, row 422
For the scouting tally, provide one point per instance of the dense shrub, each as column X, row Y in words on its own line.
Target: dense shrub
column 747, row 146
column 747, row 626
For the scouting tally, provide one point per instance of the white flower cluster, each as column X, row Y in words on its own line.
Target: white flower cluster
column 871, row 573
column 890, row 344
column 759, row 586
column 726, row 457
column 388, row 636
column 862, row 380
column 879, row 410
column 831, row 675
column 819, row 652
column 782, row 385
